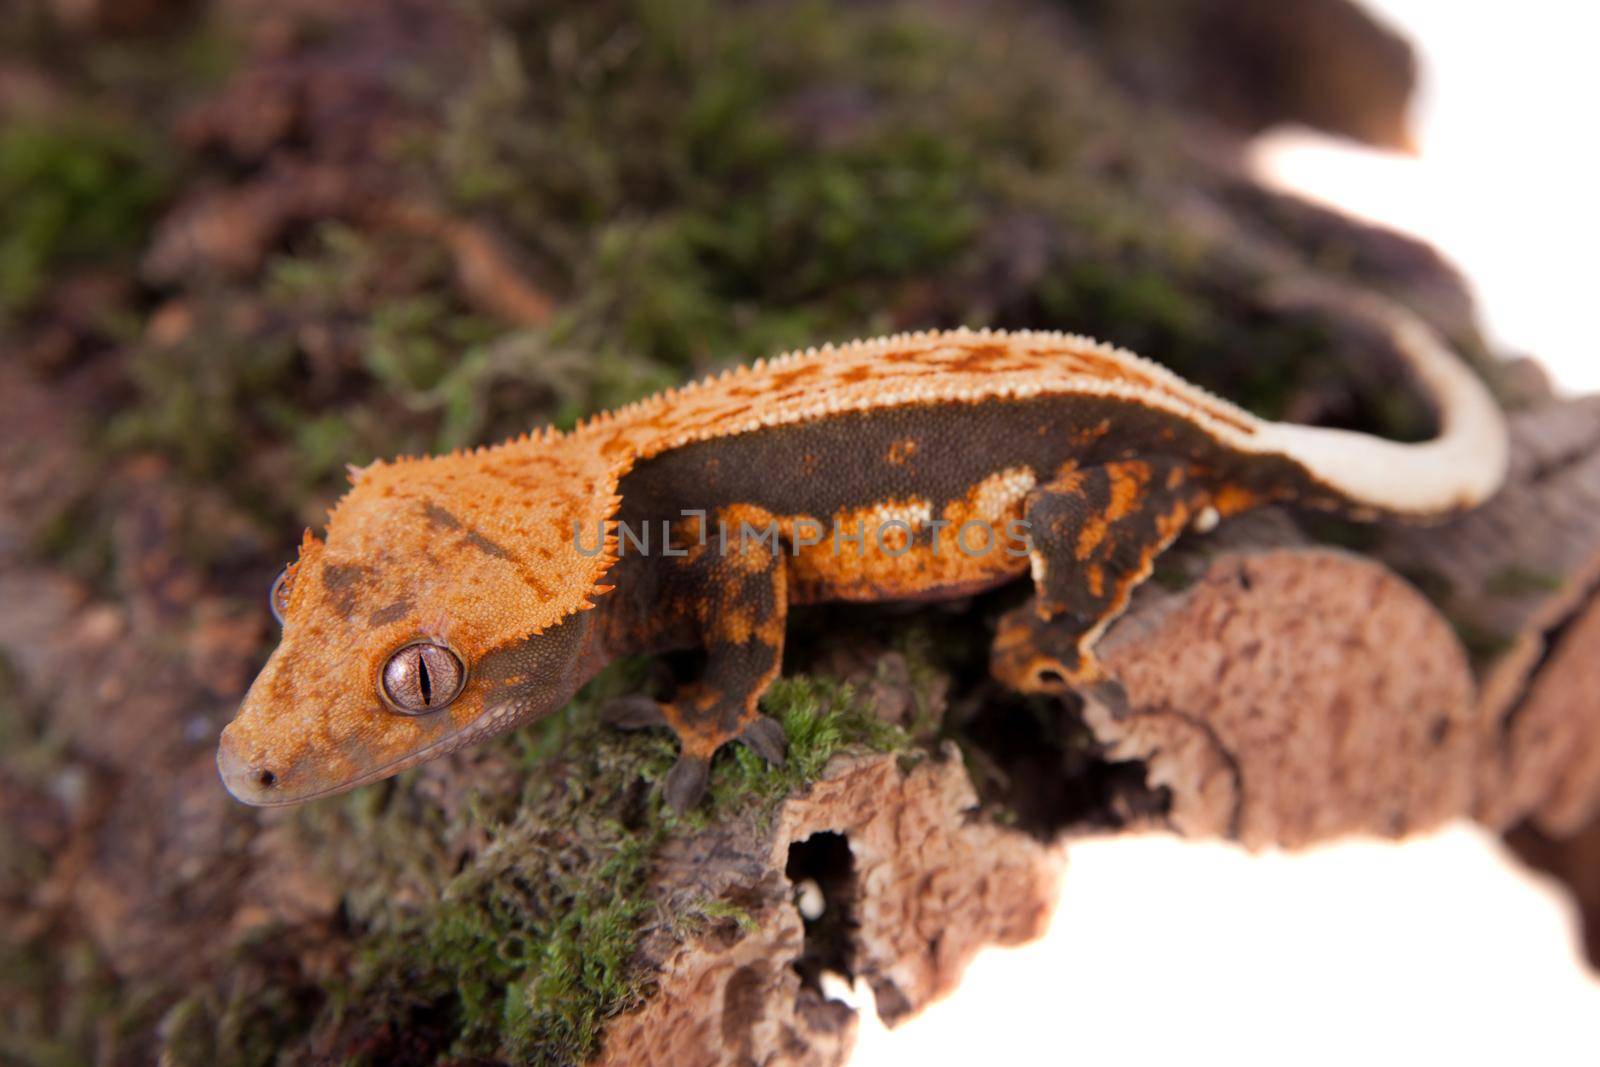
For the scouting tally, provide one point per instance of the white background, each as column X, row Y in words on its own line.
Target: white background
column 1438, row 950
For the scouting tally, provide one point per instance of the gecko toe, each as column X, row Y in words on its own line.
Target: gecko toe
column 765, row 737
column 632, row 713
column 686, row 783
column 1049, row 677
column 1111, row 695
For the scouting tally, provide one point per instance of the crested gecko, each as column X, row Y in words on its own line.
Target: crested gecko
column 455, row 597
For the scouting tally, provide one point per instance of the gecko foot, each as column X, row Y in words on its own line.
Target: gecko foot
column 632, row 713
column 686, row 783
column 1034, row 655
column 765, row 737
column 1111, row 695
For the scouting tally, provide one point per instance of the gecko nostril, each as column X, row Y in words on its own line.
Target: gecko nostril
column 267, row 779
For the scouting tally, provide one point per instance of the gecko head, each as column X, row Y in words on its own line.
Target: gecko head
column 444, row 606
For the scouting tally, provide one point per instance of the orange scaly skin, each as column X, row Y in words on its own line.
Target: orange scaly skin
column 1069, row 460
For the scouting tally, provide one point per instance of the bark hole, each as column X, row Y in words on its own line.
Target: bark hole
column 822, row 871
column 1036, row 758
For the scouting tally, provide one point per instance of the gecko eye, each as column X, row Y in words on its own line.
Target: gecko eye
column 420, row 678
column 278, row 598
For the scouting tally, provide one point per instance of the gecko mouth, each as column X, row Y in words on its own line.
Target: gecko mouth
column 261, row 787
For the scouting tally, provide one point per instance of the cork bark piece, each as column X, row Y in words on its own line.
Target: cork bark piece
column 918, row 884
column 1551, row 754
column 1521, row 577
column 1292, row 695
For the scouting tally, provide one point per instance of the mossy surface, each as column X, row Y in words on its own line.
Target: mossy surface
column 521, row 948
column 73, row 192
column 698, row 184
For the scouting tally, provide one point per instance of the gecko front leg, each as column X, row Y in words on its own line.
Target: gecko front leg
column 732, row 592
column 1095, row 535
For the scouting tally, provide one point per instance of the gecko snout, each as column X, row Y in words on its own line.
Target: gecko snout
column 247, row 780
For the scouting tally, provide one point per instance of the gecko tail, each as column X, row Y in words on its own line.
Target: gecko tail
column 1461, row 467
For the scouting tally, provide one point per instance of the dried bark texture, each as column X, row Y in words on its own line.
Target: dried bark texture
column 1575, row 860
column 1552, row 748
column 1522, row 575
column 1292, row 695
column 926, row 885
column 1255, row 63
column 725, row 996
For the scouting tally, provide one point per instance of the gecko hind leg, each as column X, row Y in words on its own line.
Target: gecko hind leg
column 1095, row 535
column 634, row 712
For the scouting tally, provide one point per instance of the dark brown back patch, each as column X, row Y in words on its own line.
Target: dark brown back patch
column 341, row 581
column 393, row 613
column 438, row 516
column 485, row 545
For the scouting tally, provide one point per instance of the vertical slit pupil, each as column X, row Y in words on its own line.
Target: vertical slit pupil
column 424, row 681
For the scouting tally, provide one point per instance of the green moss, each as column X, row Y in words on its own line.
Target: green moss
column 1482, row 645
column 1343, row 533
column 197, row 54
column 248, row 1020
column 686, row 189
column 72, row 193
column 1431, row 583
column 16, row 727
column 525, row 950
column 723, row 911
column 75, row 536
column 60, row 1004
column 33, row 751
column 187, row 1032
column 929, row 671
column 534, row 968
column 739, row 180
column 414, row 345
column 820, row 717
column 1523, row 581
column 1174, row 575
column 197, row 398
column 1139, row 303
